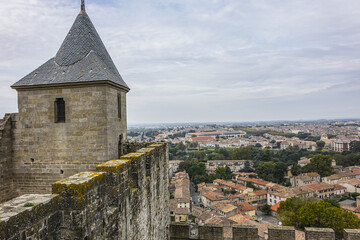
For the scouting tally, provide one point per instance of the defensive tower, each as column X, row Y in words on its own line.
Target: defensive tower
column 72, row 112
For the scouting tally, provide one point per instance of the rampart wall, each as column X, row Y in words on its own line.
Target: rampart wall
column 6, row 170
column 182, row 231
column 123, row 199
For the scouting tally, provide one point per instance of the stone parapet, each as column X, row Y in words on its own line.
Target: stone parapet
column 281, row 233
column 6, row 152
column 30, row 216
column 211, row 232
column 319, row 234
column 245, row 232
column 240, row 232
column 179, row 231
column 352, row 234
column 125, row 198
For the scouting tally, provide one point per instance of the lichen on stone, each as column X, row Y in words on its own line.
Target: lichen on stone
column 77, row 185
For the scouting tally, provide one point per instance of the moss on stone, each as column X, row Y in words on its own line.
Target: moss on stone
column 113, row 166
column 77, row 185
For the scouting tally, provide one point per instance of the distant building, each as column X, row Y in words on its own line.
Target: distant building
column 304, row 161
column 226, row 210
column 340, row 146
column 232, row 186
column 305, row 179
column 323, row 190
column 246, row 209
column 174, row 166
column 180, row 205
column 256, row 198
column 274, row 209
column 234, row 165
column 351, row 185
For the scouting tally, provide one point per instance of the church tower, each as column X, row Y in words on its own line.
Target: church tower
column 72, row 112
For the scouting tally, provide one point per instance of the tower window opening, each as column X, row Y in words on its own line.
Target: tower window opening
column 59, row 110
column 119, row 106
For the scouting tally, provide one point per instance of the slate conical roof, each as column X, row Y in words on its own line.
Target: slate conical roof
column 81, row 58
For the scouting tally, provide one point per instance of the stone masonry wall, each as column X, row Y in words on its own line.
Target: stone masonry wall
column 181, row 231
column 124, row 199
column 45, row 151
column 6, row 176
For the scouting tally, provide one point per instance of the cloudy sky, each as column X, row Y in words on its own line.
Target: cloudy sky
column 203, row 60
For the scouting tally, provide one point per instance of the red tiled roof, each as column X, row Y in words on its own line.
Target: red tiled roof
column 320, row 186
column 275, row 207
column 313, row 174
column 238, row 218
column 245, row 207
column 201, row 138
column 339, row 187
column 357, row 210
column 260, row 192
column 229, row 184
column 212, row 195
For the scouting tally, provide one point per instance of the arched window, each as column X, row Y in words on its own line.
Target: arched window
column 59, row 110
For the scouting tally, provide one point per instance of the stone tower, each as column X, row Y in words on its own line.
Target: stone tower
column 72, row 112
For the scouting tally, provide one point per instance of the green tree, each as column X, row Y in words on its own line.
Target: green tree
column 200, row 155
column 183, row 166
column 199, row 179
column 266, row 209
column 301, row 212
column 180, row 146
column 330, row 136
column 320, row 164
column 194, row 144
column 247, row 167
column 355, row 146
column 302, row 135
column 242, row 153
column 211, row 178
column 198, row 169
column 223, row 173
column 320, row 145
column 333, row 202
column 295, row 170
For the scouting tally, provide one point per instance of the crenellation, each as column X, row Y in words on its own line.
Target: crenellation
column 281, row 233
column 245, row 232
column 181, row 231
column 319, row 234
column 210, row 232
column 351, row 234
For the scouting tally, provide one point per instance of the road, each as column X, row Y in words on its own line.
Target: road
column 267, row 218
column 194, row 194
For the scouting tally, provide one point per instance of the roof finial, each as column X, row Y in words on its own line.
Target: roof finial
column 83, row 5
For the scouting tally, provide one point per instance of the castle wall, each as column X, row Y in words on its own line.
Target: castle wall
column 45, row 151
column 6, row 174
column 123, row 199
column 181, row 231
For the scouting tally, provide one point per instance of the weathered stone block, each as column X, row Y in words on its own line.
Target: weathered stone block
column 211, row 232
column 179, row 231
column 281, row 233
column 351, row 234
column 245, row 232
column 319, row 234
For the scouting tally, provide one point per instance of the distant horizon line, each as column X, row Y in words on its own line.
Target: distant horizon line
column 246, row 122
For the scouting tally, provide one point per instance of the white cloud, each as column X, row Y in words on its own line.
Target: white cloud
column 185, row 58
